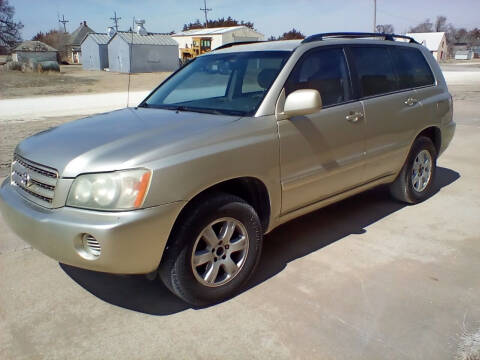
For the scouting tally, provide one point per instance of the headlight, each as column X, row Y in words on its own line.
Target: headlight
column 119, row 190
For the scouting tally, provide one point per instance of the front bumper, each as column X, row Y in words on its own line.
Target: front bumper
column 132, row 242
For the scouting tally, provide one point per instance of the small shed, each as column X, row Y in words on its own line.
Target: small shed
column 95, row 51
column 36, row 51
column 436, row 42
column 132, row 52
column 464, row 55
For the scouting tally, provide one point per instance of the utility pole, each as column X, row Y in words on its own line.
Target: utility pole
column 205, row 10
column 374, row 16
column 64, row 22
column 115, row 20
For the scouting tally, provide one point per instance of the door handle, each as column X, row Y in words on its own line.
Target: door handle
column 411, row 101
column 354, row 117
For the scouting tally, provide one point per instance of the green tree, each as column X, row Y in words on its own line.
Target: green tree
column 220, row 22
column 292, row 35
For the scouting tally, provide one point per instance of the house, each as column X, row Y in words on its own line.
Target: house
column 94, row 51
column 464, row 55
column 436, row 42
column 198, row 41
column 35, row 51
column 74, row 42
column 134, row 52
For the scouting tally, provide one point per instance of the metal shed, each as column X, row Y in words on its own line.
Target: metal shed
column 464, row 55
column 145, row 53
column 95, row 51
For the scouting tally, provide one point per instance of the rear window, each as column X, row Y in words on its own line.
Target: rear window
column 412, row 68
column 375, row 70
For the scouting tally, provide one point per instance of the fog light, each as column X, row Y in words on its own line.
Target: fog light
column 91, row 245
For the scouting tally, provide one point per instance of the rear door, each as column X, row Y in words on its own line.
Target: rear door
column 322, row 153
column 392, row 113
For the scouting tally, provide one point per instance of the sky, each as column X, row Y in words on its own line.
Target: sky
column 270, row 17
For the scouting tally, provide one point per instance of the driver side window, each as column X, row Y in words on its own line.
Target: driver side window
column 324, row 70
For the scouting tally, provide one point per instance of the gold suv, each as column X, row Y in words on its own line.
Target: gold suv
column 232, row 145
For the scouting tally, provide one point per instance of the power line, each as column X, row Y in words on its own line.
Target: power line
column 115, row 20
column 64, row 22
column 205, row 10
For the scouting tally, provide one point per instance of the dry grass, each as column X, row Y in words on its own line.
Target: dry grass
column 72, row 79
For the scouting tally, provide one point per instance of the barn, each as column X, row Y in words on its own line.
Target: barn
column 204, row 40
column 35, row 51
column 75, row 39
column 436, row 42
column 95, row 51
column 132, row 52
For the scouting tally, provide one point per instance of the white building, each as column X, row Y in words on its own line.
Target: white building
column 436, row 42
column 219, row 36
column 464, row 55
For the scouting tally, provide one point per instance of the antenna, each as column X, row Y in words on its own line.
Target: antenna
column 115, row 20
column 205, row 10
column 130, row 59
column 374, row 15
column 64, row 22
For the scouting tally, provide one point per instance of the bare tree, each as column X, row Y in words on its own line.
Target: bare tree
column 441, row 24
column 57, row 39
column 9, row 28
column 385, row 29
column 425, row 26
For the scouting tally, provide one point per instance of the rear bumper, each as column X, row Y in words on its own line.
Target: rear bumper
column 132, row 242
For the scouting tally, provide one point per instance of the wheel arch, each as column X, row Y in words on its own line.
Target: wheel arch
column 433, row 133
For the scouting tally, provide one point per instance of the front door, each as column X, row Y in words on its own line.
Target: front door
column 321, row 154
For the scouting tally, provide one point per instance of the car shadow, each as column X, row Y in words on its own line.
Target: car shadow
column 288, row 242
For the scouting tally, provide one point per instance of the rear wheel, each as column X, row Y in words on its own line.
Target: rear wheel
column 213, row 252
column 415, row 181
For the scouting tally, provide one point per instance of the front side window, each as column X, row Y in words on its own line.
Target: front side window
column 375, row 70
column 233, row 83
column 412, row 68
column 324, row 70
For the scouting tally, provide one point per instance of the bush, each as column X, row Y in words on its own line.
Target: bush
column 44, row 66
column 13, row 65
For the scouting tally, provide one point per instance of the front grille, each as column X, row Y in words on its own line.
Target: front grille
column 34, row 181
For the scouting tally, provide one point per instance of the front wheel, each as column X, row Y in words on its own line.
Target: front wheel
column 213, row 252
column 415, row 181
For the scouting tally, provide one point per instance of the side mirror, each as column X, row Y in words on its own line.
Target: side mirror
column 302, row 102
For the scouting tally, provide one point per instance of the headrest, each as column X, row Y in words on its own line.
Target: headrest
column 266, row 77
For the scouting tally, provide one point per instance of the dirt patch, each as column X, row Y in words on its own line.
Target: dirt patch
column 72, row 79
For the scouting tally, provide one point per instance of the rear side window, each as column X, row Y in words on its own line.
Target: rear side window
column 375, row 70
column 412, row 68
column 324, row 70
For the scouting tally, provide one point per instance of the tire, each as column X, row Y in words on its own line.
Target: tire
column 193, row 278
column 414, row 184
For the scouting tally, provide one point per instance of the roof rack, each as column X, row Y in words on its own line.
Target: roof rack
column 356, row 35
column 224, row 46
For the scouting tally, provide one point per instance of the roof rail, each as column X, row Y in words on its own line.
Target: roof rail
column 224, row 46
column 355, row 35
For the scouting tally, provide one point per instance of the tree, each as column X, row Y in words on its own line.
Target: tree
column 292, row 35
column 220, row 22
column 385, row 29
column 9, row 28
column 441, row 24
column 57, row 39
column 425, row 26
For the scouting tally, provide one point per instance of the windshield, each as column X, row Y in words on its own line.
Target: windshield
column 233, row 83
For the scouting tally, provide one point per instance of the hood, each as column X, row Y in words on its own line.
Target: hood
column 116, row 140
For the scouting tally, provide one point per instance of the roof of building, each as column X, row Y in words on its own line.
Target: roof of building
column 34, row 46
column 79, row 34
column 99, row 38
column 149, row 39
column 430, row 40
column 211, row 31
